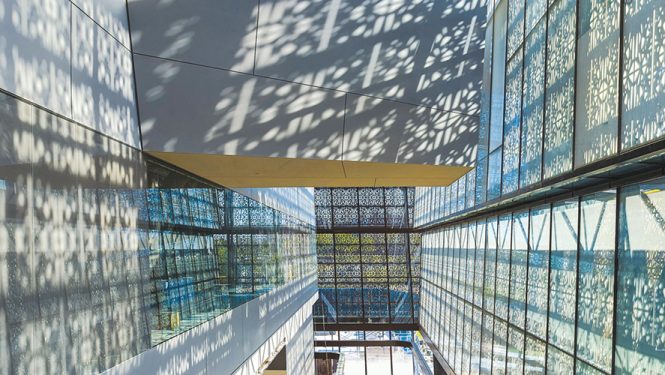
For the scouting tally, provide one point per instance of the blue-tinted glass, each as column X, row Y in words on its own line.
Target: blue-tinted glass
column 471, row 188
column 498, row 76
column 531, row 153
column 503, row 267
column 494, row 175
column 643, row 95
column 558, row 362
column 511, row 127
column 538, row 282
column 563, row 275
column 470, row 260
column 446, row 200
column 515, row 25
column 595, row 306
column 535, row 9
column 481, row 181
column 583, row 368
column 640, row 318
column 461, row 193
column 560, row 80
column 479, row 265
column 596, row 116
column 518, row 268
column 490, row 265
column 485, row 95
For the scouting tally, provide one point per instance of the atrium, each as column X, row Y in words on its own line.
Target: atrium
column 332, row 187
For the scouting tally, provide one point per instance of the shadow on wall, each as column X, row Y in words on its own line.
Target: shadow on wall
column 54, row 54
column 317, row 79
column 70, row 276
column 79, row 287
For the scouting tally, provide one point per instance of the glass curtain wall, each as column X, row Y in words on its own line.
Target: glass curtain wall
column 374, row 352
column 107, row 254
column 585, row 294
column 567, row 85
column 209, row 249
column 368, row 256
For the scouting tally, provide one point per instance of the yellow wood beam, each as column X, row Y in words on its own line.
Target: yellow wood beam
column 245, row 171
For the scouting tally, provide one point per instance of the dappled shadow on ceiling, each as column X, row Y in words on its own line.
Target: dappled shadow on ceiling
column 377, row 80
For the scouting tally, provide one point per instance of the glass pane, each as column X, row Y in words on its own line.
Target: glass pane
column 402, row 361
column 534, row 104
column 466, row 348
column 498, row 76
column 558, row 362
column 643, row 99
column 582, row 368
column 640, row 341
column 486, row 344
column 461, row 193
column 518, row 274
column 503, row 267
column 490, row 265
column 471, row 189
column 479, row 265
column 515, row 353
column 515, row 25
column 535, row 9
column 476, row 330
column 499, row 352
column 563, row 275
column 481, row 181
column 535, row 356
column 597, row 81
column 494, row 176
column 558, row 157
column 539, row 260
column 511, row 127
column 485, row 94
column 595, row 307
column 354, row 360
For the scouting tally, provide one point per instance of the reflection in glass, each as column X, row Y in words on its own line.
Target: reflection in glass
column 515, row 25
column 533, row 102
column 597, row 95
column 503, row 267
column 558, row 362
column 539, row 264
column 374, row 272
column 498, row 76
column 640, row 318
column 563, row 275
column 481, row 181
column 490, row 265
column 643, row 95
column 595, row 306
column 487, row 344
column 511, row 126
column 515, row 351
column 131, row 251
column 500, row 343
column 485, row 95
column 534, row 358
column 518, row 270
column 559, row 100
column 494, row 175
